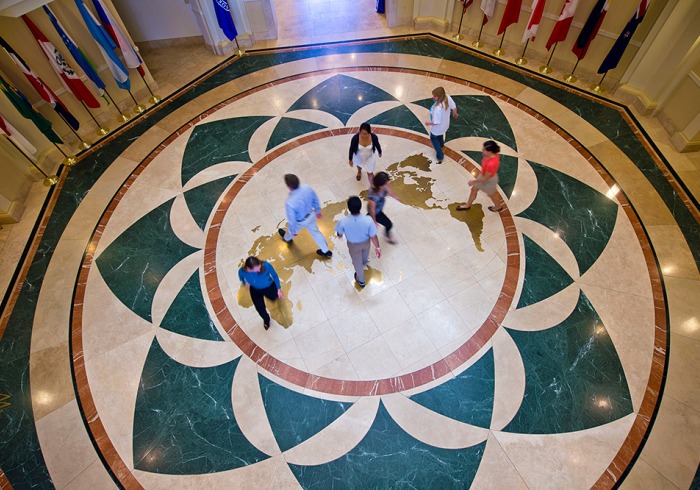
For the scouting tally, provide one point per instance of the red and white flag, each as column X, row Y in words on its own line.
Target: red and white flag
column 70, row 80
column 561, row 28
column 534, row 22
column 488, row 7
column 511, row 15
column 466, row 4
column 8, row 130
column 131, row 58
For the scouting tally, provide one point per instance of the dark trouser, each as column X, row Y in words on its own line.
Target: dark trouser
column 438, row 142
column 257, row 295
column 384, row 220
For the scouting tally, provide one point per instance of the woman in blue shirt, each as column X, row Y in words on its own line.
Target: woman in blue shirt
column 262, row 281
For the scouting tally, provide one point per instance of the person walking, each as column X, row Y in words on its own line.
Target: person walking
column 364, row 148
column 302, row 208
column 487, row 180
column 262, row 281
column 440, row 120
column 359, row 230
column 375, row 203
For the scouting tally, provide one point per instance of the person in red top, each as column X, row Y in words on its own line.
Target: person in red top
column 487, row 180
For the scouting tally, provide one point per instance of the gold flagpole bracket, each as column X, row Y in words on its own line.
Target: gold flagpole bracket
column 545, row 69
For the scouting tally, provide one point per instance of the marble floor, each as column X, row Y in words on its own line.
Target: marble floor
column 553, row 345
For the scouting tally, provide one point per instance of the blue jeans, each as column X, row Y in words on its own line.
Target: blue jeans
column 438, row 142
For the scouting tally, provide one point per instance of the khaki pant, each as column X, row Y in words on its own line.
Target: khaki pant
column 359, row 253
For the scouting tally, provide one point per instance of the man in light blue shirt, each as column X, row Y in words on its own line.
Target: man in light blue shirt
column 302, row 209
column 359, row 230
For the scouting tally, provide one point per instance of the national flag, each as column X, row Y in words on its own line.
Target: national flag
column 590, row 29
column 613, row 57
column 70, row 80
column 487, row 7
column 131, row 58
column 561, row 28
column 25, row 108
column 223, row 17
column 43, row 90
column 9, row 130
column 77, row 53
column 534, row 22
column 466, row 4
column 510, row 16
column 106, row 45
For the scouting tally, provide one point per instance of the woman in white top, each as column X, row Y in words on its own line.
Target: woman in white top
column 440, row 120
column 364, row 148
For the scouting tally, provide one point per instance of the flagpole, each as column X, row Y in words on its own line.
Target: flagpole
column 101, row 130
column 522, row 61
column 140, row 108
column 49, row 180
column 124, row 116
column 459, row 36
column 598, row 87
column 239, row 51
column 477, row 44
column 546, row 68
column 84, row 145
column 570, row 78
column 499, row 51
column 154, row 98
column 68, row 161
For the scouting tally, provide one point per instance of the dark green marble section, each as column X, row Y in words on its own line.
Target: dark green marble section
column 544, row 276
column 399, row 117
column 137, row 260
column 583, row 217
column 184, row 422
column 289, row 128
column 341, row 96
column 294, row 417
column 573, row 376
column 201, row 200
column 388, row 457
column 188, row 314
column 468, row 397
column 479, row 116
column 219, row 141
column 507, row 172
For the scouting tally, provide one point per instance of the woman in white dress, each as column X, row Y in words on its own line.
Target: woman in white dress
column 364, row 148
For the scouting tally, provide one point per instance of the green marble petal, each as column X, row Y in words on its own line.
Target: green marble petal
column 479, row 116
column 468, row 397
column 400, row 117
column 134, row 264
column 583, row 217
column 188, row 314
column 184, row 422
column 544, row 276
column 201, row 200
column 573, row 376
column 341, row 96
column 289, row 128
column 219, row 141
column 294, row 417
column 388, row 457
column 507, row 172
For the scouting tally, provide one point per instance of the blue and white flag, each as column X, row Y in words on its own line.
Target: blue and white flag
column 615, row 54
column 223, row 17
column 106, row 45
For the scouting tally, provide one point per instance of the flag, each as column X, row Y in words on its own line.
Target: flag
column 487, row 7
column 223, row 17
column 106, row 45
column 70, row 80
column 25, row 108
column 77, row 53
column 510, row 16
column 561, row 28
column 590, row 29
column 613, row 57
column 44, row 91
column 131, row 58
column 466, row 4
column 8, row 130
column 534, row 22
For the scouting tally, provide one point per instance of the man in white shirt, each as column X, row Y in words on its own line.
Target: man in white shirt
column 359, row 230
column 302, row 209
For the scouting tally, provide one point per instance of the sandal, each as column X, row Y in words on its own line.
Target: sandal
column 463, row 208
column 495, row 209
column 358, row 177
